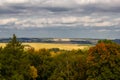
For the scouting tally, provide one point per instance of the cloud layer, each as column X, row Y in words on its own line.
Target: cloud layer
column 69, row 21
column 23, row 14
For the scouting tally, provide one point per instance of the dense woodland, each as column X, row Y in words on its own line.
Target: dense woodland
column 101, row 62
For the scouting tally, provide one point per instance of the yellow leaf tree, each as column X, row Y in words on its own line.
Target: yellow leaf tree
column 33, row 72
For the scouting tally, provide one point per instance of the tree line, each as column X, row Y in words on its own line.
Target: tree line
column 101, row 62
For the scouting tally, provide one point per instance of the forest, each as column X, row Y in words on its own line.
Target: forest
column 100, row 62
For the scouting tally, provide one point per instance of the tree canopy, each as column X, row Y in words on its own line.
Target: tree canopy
column 100, row 62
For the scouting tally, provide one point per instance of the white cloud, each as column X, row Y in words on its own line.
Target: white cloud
column 105, row 24
column 111, row 2
column 103, row 30
column 64, row 2
column 59, row 3
column 14, row 1
column 7, row 21
column 73, row 21
column 85, row 1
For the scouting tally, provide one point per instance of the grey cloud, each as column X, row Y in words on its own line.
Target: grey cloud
column 67, row 8
column 56, row 9
column 77, row 17
column 69, row 21
column 24, row 9
column 53, row 13
column 8, row 11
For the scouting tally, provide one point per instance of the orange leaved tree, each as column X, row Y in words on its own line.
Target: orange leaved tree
column 104, row 62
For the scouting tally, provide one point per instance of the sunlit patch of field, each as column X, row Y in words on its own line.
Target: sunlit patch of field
column 38, row 46
column 2, row 44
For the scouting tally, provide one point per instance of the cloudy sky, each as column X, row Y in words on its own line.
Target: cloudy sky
column 60, row 18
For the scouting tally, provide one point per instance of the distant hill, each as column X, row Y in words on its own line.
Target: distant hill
column 117, row 41
column 58, row 40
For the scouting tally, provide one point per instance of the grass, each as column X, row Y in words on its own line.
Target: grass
column 38, row 46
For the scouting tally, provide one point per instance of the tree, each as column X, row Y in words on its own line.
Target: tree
column 33, row 72
column 69, row 65
column 14, row 65
column 106, row 41
column 104, row 62
column 14, row 44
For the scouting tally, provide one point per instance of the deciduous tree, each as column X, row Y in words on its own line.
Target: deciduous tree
column 104, row 62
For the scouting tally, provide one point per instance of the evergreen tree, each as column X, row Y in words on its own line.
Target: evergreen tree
column 14, row 65
column 14, row 45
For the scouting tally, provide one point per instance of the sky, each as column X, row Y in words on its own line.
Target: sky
column 60, row 18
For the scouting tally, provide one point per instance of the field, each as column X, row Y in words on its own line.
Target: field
column 38, row 46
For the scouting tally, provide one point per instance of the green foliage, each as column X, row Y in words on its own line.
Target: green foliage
column 13, row 62
column 106, row 41
column 69, row 65
column 101, row 62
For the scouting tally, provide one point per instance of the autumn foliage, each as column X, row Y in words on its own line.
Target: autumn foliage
column 104, row 62
column 101, row 62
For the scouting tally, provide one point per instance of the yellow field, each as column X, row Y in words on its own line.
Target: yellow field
column 2, row 44
column 38, row 46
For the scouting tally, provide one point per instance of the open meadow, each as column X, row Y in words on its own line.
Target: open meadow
column 38, row 46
